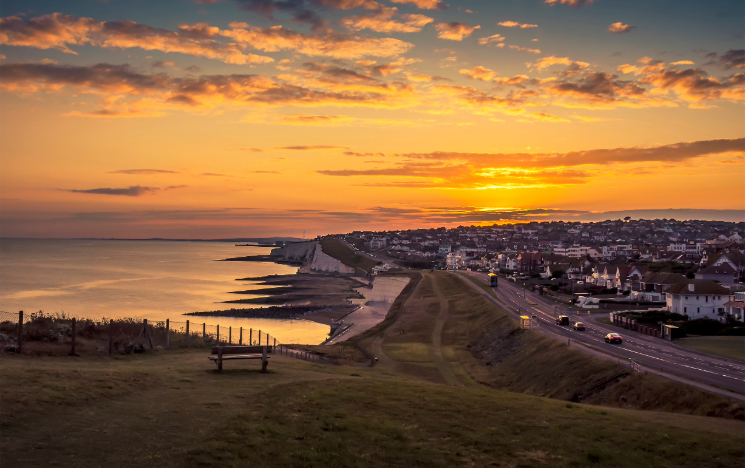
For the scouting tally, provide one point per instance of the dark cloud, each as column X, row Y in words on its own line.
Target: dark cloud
column 304, row 11
column 103, row 76
column 310, row 147
column 193, row 91
column 734, row 58
column 142, row 171
column 514, row 170
column 133, row 191
column 571, row 3
column 597, row 86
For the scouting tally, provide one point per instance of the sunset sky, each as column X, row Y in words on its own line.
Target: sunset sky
column 240, row 118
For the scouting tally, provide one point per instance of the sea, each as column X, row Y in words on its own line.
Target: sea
column 148, row 279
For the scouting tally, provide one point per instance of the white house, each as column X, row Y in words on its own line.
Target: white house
column 698, row 299
column 377, row 243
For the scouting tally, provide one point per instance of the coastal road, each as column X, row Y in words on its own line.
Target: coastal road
column 654, row 354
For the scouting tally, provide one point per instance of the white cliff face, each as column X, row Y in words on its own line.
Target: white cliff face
column 296, row 251
column 324, row 263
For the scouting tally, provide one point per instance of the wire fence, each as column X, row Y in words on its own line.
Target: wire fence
column 40, row 333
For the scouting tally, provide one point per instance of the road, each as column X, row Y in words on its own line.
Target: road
column 653, row 354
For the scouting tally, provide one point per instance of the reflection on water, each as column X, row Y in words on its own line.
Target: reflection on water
column 145, row 279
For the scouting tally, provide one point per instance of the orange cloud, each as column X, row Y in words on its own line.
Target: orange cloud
column 455, row 31
column 525, row 49
column 546, row 62
column 424, row 4
column 345, row 46
column 571, row 3
column 302, row 119
column 492, row 39
column 383, row 20
column 515, row 24
column 57, row 31
column 326, row 85
column 620, row 28
column 479, row 73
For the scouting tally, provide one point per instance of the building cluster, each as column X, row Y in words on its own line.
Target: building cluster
column 696, row 268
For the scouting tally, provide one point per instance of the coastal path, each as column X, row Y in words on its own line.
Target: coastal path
column 413, row 344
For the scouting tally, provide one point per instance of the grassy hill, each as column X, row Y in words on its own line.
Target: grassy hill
column 455, row 384
column 338, row 250
column 174, row 409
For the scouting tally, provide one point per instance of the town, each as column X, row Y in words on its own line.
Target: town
column 692, row 268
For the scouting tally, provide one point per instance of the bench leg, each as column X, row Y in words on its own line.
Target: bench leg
column 264, row 363
column 219, row 365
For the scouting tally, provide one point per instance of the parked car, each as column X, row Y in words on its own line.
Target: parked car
column 579, row 326
column 613, row 338
column 562, row 320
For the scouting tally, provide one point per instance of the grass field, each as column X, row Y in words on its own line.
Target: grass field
column 731, row 347
column 174, row 409
column 336, row 249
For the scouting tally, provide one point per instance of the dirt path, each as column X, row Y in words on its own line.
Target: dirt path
column 442, row 365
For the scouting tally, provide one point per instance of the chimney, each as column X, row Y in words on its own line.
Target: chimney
column 690, row 287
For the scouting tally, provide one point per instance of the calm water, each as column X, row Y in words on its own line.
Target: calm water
column 145, row 279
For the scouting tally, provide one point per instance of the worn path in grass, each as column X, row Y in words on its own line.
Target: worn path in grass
column 413, row 344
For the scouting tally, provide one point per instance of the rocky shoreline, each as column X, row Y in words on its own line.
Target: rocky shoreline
column 277, row 312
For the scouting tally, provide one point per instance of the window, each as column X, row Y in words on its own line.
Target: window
column 685, row 310
column 707, row 298
column 698, row 310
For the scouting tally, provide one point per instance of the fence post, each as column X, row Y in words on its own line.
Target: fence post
column 168, row 333
column 20, row 330
column 275, row 344
column 230, row 335
column 204, row 331
column 251, row 336
column 240, row 337
column 259, row 337
column 111, row 336
column 267, row 339
column 72, row 352
column 218, row 335
column 148, row 338
column 187, row 333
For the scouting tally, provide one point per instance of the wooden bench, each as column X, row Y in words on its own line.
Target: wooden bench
column 225, row 353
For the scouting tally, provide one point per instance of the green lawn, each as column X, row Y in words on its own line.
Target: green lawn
column 732, row 347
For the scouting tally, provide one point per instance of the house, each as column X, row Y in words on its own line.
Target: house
column 444, row 250
column 653, row 286
column 734, row 258
column 456, row 260
column 531, row 262
column 698, row 299
column 722, row 273
column 736, row 307
column 377, row 243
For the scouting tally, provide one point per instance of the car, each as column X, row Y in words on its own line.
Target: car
column 562, row 320
column 613, row 338
column 579, row 326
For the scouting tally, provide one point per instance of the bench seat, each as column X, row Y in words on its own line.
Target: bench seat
column 239, row 356
column 226, row 353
